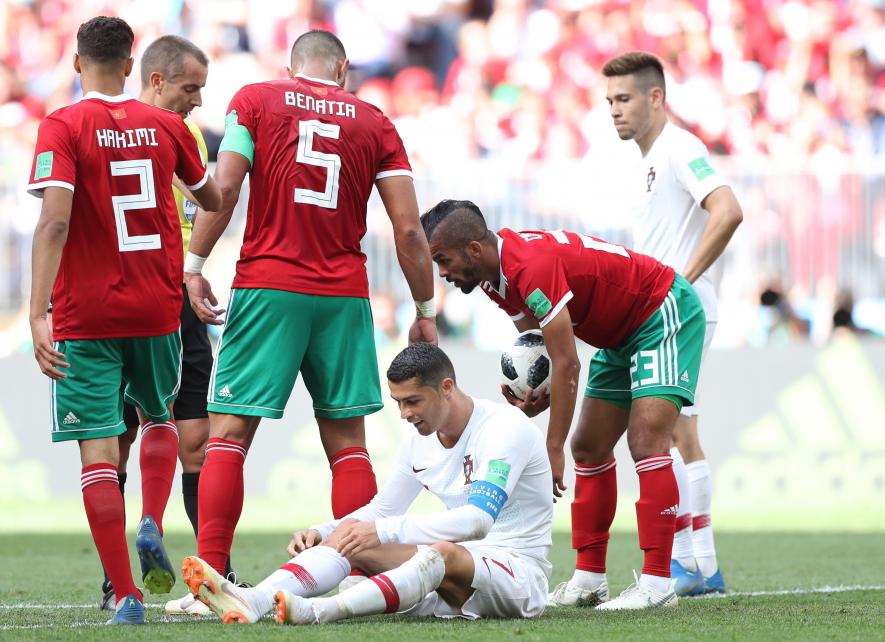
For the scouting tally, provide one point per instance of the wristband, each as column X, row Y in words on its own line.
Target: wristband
column 425, row 308
column 194, row 263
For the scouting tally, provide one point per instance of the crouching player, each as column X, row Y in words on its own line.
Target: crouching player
column 486, row 462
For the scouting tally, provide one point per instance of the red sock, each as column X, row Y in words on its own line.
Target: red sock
column 353, row 480
column 158, row 456
column 593, row 511
column 656, row 512
column 220, row 500
column 104, row 510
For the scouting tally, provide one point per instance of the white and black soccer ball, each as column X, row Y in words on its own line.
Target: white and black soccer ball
column 526, row 364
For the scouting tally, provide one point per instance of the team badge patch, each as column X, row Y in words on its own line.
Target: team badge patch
column 538, row 303
column 44, row 165
column 650, row 179
column 468, row 469
column 701, row 168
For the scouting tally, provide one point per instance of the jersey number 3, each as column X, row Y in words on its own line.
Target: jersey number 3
column 306, row 154
column 145, row 199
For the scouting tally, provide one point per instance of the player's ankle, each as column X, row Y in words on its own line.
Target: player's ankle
column 708, row 565
column 587, row 580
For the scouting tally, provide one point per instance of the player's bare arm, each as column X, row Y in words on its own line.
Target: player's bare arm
column 559, row 338
column 50, row 236
column 725, row 216
column 230, row 172
column 398, row 195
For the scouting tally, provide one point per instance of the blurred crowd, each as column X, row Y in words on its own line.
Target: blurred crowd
column 773, row 84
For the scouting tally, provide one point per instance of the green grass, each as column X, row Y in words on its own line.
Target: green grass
column 63, row 569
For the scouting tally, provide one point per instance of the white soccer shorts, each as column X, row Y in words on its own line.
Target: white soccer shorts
column 506, row 585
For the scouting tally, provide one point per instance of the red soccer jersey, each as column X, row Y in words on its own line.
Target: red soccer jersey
column 318, row 151
column 121, row 267
column 609, row 290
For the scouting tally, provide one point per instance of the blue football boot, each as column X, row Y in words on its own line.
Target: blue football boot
column 130, row 610
column 686, row 583
column 156, row 569
column 714, row 583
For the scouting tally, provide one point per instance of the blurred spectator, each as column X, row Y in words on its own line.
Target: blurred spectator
column 776, row 320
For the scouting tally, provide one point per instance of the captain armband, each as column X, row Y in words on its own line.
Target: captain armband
column 487, row 496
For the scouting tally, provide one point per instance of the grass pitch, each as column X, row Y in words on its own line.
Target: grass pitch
column 783, row 587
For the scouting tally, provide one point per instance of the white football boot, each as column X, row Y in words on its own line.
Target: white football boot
column 636, row 597
column 568, row 594
column 187, row 605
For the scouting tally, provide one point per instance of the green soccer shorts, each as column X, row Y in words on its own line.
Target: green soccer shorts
column 662, row 358
column 271, row 335
column 87, row 404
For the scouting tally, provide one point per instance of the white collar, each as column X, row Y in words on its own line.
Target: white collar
column 331, row 83
column 110, row 99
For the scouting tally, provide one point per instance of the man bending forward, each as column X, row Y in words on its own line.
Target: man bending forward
column 485, row 461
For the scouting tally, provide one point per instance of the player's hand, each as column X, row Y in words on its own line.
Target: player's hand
column 531, row 407
column 202, row 300
column 303, row 540
column 358, row 536
column 423, row 330
column 557, row 467
column 49, row 358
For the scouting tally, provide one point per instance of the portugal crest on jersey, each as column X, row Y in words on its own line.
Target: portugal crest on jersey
column 650, row 178
column 468, row 469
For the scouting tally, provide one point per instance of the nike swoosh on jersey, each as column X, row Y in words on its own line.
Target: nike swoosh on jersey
column 418, row 470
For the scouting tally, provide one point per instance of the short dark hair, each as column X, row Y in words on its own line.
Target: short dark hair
column 316, row 43
column 105, row 39
column 460, row 222
column 166, row 55
column 424, row 362
column 645, row 67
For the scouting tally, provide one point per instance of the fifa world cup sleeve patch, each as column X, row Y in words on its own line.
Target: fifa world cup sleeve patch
column 701, row 168
column 538, row 303
column 237, row 138
column 487, row 496
column 498, row 473
column 44, row 166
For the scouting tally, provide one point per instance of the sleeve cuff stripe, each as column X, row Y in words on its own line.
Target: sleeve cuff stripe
column 556, row 310
column 202, row 182
column 393, row 172
column 36, row 189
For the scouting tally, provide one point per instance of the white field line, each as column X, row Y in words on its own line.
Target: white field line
column 179, row 619
column 798, row 591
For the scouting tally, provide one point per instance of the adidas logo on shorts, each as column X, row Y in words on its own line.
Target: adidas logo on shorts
column 225, row 392
column 684, row 377
column 71, row 418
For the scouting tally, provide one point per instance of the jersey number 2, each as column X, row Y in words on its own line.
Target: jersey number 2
column 145, row 199
column 306, row 154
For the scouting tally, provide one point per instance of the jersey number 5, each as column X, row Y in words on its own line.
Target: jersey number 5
column 145, row 199
column 306, row 154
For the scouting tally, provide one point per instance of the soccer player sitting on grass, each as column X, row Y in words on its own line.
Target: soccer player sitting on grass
column 485, row 461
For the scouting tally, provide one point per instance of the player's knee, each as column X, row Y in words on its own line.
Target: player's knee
column 446, row 549
column 644, row 442
column 589, row 452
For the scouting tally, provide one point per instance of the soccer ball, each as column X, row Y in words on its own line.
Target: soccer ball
column 526, row 364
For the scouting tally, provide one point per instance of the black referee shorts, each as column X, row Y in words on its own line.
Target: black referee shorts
column 196, row 367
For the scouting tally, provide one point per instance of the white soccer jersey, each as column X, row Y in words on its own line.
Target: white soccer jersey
column 676, row 176
column 499, row 449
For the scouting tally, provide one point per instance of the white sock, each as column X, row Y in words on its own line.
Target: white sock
column 315, row 571
column 587, row 580
column 396, row 590
column 683, row 550
column 655, row 583
column 701, row 482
